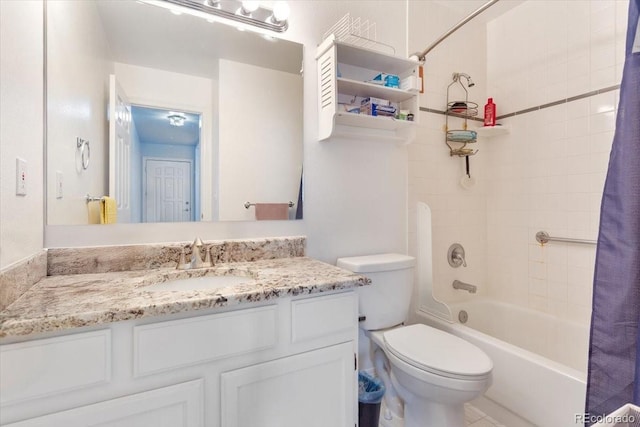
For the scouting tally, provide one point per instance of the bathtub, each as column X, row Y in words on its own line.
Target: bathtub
column 539, row 360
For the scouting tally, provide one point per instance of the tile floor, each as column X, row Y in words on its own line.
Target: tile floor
column 474, row 417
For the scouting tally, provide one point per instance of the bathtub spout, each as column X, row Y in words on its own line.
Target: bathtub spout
column 457, row 284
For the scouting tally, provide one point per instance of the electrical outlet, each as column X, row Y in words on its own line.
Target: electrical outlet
column 21, row 177
column 58, row 185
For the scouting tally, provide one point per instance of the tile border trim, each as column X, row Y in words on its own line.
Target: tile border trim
column 539, row 107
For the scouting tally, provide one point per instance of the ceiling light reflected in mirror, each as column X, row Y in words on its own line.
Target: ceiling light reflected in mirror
column 176, row 119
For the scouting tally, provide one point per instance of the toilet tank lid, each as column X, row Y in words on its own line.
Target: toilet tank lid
column 376, row 263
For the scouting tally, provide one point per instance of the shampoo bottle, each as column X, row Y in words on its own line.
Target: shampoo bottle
column 490, row 113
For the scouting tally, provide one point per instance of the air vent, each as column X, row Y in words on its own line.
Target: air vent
column 327, row 89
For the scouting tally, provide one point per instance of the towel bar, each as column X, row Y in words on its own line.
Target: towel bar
column 89, row 198
column 249, row 204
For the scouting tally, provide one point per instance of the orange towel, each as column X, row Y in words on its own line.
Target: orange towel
column 272, row 211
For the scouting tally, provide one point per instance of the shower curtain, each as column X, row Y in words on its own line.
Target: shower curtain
column 614, row 353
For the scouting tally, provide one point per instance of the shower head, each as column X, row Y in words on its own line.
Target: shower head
column 470, row 82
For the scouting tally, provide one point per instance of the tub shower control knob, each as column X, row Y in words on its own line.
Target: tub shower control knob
column 455, row 256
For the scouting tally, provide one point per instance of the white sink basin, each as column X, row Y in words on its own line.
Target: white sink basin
column 200, row 283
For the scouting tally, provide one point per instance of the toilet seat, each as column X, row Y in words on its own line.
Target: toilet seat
column 440, row 353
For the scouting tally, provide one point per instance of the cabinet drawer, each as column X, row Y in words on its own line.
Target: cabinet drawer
column 179, row 405
column 173, row 344
column 54, row 365
column 323, row 316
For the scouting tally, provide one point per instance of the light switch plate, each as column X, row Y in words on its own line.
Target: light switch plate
column 21, row 177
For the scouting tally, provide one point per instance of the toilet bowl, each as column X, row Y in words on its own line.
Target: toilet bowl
column 434, row 373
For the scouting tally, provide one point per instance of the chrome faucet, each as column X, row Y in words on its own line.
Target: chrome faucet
column 196, row 257
column 457, row 284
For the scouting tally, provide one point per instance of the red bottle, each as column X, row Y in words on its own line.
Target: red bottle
column 490, row 113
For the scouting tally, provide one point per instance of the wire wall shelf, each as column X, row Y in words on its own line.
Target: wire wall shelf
column 358, row 32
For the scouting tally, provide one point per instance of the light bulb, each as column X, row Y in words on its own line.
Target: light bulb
column 250, row 6
column 281, row 11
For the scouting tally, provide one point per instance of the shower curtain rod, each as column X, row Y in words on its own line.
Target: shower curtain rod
column 477, row 12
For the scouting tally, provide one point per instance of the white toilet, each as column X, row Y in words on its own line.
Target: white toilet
column 433, row 372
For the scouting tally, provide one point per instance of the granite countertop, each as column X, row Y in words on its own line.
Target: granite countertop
column 71, row 301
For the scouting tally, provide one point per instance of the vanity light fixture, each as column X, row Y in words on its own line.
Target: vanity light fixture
column 248, row 7
column 280, row 12
column 176, row 119
column 246, row 15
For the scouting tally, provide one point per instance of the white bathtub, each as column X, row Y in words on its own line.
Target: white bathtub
column 539, row 360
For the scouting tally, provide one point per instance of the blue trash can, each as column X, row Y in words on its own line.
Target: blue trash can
column 370, row 393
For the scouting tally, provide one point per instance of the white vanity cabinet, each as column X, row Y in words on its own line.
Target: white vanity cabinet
column 285, row 364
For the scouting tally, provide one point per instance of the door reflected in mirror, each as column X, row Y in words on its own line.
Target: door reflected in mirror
column 186, row 120
column 166, row 149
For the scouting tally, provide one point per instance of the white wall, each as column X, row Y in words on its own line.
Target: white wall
column 78, row 69
column 21, row 90
column 355, row 191
column 259, row 141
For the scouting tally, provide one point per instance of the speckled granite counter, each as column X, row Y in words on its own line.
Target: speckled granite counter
column 71, row 301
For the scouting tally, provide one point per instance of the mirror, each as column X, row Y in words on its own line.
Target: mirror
column 173, row 117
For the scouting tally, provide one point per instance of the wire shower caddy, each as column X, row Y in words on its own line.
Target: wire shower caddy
column 458, row 139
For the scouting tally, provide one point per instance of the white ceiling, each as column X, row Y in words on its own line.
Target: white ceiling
column 152, row 126
column 466, row 7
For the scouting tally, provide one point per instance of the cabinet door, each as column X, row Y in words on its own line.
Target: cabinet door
column 174, row 406
column 314, row 389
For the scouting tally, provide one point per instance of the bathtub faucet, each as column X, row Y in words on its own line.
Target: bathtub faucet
column 457, row 284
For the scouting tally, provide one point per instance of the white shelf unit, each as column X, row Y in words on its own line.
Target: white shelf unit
column 343, row 74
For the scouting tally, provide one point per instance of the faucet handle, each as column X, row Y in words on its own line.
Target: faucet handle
column 456, row 256
column 460, row 258
column 207, row 258
column 182, row 262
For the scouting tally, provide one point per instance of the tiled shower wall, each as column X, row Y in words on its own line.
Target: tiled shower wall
column 547, row 174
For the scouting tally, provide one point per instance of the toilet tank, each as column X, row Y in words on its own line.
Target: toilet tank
column 386, row 301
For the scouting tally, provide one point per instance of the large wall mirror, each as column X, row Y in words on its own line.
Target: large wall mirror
column 173, row 117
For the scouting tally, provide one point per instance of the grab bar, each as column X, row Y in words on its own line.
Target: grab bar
column 543, row 237
column 249, row 204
